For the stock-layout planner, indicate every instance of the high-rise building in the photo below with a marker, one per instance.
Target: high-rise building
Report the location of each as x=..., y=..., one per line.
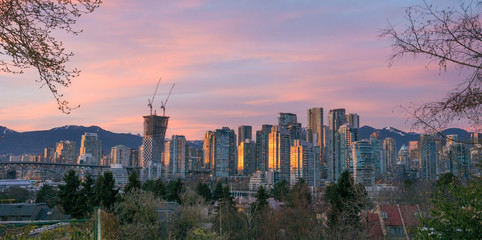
x=134, y=158
x=121, y=154
x=289, y=121
x=403, y=156
x=246, y=157
x=363, y=162
x=315, y=133
x=90, y=149
x=65, y=152
x=428, y=157
x=262, y=145
x=194, y=158
x=336, y=118
x=279, y=153
x=353, y=119
x=390, y=154
x=224, y=152
x=208, y=149
x=244, y=132
x=153, y=145
x=48, y=154
x=345, y=136
x=175, y=157
x=303, y=163
x=377, y=155
x=413, y=155
x=457, y=157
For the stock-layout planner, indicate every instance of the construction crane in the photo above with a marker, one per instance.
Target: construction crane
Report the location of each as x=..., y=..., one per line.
x=163, y=103
x=150, y=101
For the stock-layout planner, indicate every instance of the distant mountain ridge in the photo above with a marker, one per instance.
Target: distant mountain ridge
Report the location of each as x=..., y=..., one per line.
x=34, y=142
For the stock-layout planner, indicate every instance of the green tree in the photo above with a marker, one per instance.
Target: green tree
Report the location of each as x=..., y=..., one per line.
x=280, y=190
x=156, y=187
x=15, y=195
x=105, y=192
x=228, y=221
x=347, y=200
x=174, y=190
x=456, y=211
x=203, y=190
x=137, y=214
x=27, y=38
x=261, y=202
x=88, y=197
x=47, y=194
x=69, y=195
x=218, y=191
x=134, y=182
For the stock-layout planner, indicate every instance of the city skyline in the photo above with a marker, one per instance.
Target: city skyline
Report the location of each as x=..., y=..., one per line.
x=234, y=63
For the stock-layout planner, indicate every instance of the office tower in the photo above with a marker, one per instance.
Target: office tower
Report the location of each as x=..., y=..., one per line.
x=363, y=162
x=379, y=162
x=65, y=152
x=279, y=153
x=390, y=154
x=303, y=163
x=224, y=152
x=262, y=144
x=315, y=126
x=413, y=155
x=153, y=145
x=244, y=132
x=208, y=149
x=457, y=156
x=134, y=159
x=246, y=157
x=428, y=157
x=353, y=119
x=175, y=157
x=289, y=121
x=403, y=156
x=48, y=154
x=345, y=136
x=336, y=118
x=90, y=149
x=194, y=158
x=121, y=154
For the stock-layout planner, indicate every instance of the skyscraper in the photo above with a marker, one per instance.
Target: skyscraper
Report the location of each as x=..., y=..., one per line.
x=303, y=163
x=428, y=157
x=336, y=118
x=153, y=145
x=315, y=126
x=279, y=153
x=244, y=132
x=175, y=157
x=345, y=136
x=121, y=154
x=208, y=149
x=246, y=157
x=289, y=121
x=90, y=144
x=262, y=144
x=65, y=152
x=378, y=156
x=390, y=153
x=353, y=119
x=224, y=152
x=363, y=162
x=458, y=157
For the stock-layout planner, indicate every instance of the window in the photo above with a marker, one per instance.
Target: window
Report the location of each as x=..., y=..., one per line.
x=396, y=231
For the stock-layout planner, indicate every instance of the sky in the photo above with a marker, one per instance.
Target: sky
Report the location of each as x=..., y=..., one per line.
x=233, y=62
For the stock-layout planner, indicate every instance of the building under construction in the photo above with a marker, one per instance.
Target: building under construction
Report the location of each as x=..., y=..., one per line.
x=153, y=144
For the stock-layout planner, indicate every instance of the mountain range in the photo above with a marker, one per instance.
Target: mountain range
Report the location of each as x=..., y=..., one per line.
x=34, y=142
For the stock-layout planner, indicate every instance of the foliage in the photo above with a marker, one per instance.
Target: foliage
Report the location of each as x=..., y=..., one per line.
x=27, y=39
x=218, y=191
x=174, y=190
x=261, y=202
x=451, y=36
x=347, y=200
x=228, y=221
x=137, y=214
x=280, y=191
x=47, y=194
x=200, y=234
x=88, y=195
x=69, y=195
x=456, y=211
x=203, y=190
x=105, y=193
x=15, y=195
x=299, y=194
x=134, y=182
x=156, y=187
x=191, y=217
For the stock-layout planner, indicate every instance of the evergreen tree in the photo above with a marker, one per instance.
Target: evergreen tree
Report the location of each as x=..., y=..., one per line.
x=69, y=195
x=299, y=195
x=157, y=187
x=105, y=193
x=261, y=200
x=174, y=190
x=134, y=182
x=203, y=190
x=87, y=194
x=218, y=191
x=280, y=190
x=47, y=194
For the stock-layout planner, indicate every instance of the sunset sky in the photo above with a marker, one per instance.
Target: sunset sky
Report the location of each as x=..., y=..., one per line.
x=234, y=63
